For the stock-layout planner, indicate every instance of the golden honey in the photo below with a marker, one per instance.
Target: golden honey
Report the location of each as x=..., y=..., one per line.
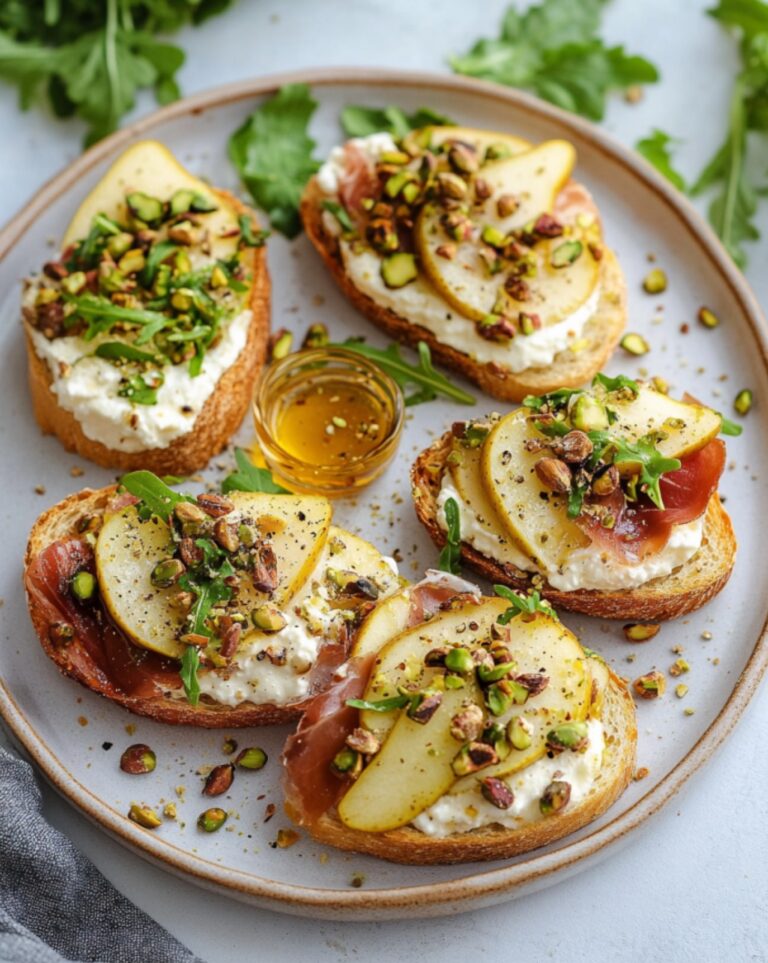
x=327, y=420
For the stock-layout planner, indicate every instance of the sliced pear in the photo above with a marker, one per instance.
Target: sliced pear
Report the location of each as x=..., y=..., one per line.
x=465, y=468
x=128, y=549
x=479, y=139
x=685, y=427
x=542, y=645
x=151, y=168
x=534, y=516
x=410, y=772
x=401, y=660
x=387, y=620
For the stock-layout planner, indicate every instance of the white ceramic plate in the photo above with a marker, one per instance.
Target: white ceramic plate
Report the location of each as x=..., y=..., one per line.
x=76, y=738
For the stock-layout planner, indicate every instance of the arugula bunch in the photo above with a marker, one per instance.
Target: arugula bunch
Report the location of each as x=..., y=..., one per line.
x=358, y=121
x=522, y=604
x=92, y=58
x=734, y=206
x=553, y=50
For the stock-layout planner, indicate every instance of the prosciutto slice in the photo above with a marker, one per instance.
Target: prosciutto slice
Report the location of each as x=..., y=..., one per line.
x=640, y=528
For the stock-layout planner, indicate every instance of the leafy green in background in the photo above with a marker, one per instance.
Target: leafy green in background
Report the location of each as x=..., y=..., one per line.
x=553, y=50
x=90, y=57
x=360, y=121
x=656, y=150
x=734, y=205
x=272, y=152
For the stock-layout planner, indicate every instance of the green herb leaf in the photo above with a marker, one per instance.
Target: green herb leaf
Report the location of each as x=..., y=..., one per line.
x=380, y=705
x=450, y=556
x=360, y=121
x=655, y=149
x=104, y=314
x=153, y=493
x=430, y=381
x=552, y=400
x=190, y=663
x=729, y=428
x=249, y=478
x=617, y=383
x=273, y=155
x=520, y=604
x=652, y=464
x=251, y=237
x=119, y=351
x=553, y=49
x=93, y=58
x=340, y=214
x=576, y=500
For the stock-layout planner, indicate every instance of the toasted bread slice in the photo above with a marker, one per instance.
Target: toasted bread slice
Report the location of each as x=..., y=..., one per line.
x=219, y=418
x=682, y=591
x=569, y=368
x=408, y=845
x=75, y=660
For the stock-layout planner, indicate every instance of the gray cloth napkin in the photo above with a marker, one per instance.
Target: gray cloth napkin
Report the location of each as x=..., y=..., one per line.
x=54, y=904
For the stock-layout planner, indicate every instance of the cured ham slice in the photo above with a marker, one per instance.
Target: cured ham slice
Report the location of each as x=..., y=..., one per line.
x=640, y=528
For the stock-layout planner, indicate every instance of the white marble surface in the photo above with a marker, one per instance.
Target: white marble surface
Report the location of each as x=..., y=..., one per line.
x=693, y=886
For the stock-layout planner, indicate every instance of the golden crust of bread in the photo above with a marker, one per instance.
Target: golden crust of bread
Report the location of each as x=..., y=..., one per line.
x=408, y=845
x=683, y=591
x=60, y=522
x=219, y=418
x=601, y=333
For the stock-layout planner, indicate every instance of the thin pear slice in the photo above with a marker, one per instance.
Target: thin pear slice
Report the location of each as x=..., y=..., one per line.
x=401, y=661
x=533, y=515
x=410, y=772
x=346, y=552
x=128, y=549
x=151, y=168
x=465, y=468
x=479, y=139
x=685, y=427
x=387, y=620
x=542, y=645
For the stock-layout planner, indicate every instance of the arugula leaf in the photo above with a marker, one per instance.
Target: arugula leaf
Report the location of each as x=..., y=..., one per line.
x=729, y=428
x=92, y=58
x=553, y=49
x=520, y=604
x=340, y=213
x=554, y=399
x=360, y=121
x=102, y=311
x=208, y=595
x=252, y=238
x=190, y=663
x=273, y=155
x=617, y=383
x=140, y=390
x=431, y=382
x=249, y=478
x=380, y=705
x=652, y=464
x=154, y=494
x=576, y=498
x=655, y=149
x=450, y=556
x=119, y=351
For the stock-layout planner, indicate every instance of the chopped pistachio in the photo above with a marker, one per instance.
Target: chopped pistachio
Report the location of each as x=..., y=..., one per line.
x=679, y=667
x=253, y=758
x=638, y=632
x=144, y=816
x=680, y=690
x=743, y=401
x=708, y=318
x=212, y=819
x=83, y=585
x=655, y=281
x=635, y=344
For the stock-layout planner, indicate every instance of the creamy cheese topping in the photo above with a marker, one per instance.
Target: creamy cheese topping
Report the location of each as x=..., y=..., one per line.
x=87, y=387
x=468, y=810
x=420, y=303
x=586, y=568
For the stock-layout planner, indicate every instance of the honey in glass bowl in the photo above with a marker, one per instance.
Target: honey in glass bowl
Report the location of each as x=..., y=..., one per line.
x=327, y=420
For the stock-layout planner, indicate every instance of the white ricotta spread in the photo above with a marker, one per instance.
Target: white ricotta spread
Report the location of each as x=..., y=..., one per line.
x=468, y=810
x=87, y=387
x=420, y=303
x=586, y=568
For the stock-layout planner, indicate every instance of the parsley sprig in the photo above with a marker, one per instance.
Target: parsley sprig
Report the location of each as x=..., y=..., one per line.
x=523, y=604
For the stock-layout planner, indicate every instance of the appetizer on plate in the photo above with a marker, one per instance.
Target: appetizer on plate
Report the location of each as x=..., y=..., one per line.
x=224, y=610
x=604, y=498
x=479, y=244
x=464, y=728
x=144, y=336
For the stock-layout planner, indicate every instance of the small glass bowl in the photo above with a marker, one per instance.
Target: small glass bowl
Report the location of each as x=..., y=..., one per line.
x=278, y=388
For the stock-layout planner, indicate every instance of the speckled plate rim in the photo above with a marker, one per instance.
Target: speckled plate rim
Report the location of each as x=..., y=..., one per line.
x=482, y=887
